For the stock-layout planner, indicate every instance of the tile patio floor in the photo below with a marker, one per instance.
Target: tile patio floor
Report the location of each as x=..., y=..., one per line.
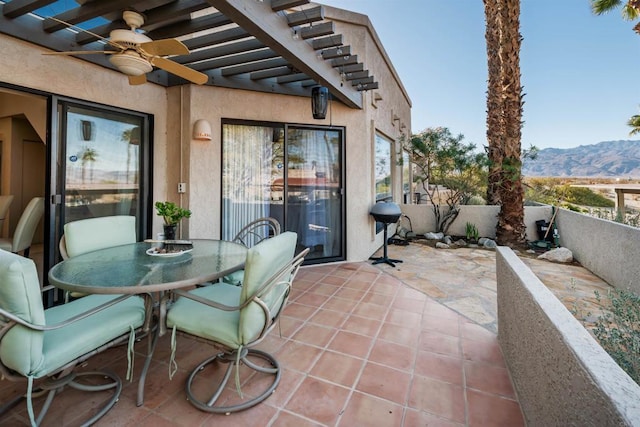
x=359, y=347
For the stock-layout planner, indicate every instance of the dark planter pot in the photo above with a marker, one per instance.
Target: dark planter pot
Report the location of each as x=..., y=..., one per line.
x=170, y=232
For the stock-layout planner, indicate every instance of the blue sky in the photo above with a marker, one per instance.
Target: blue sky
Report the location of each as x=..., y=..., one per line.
x=579, y=71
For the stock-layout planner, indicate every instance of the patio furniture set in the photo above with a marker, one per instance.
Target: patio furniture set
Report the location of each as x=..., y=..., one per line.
x=122, y=291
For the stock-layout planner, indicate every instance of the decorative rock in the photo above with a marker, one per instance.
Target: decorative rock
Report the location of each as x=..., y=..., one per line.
x=441, y=245
x=562, y=255
x=482, y=240
x=489, y=244
x=448, y=240
x=460, y=242
x=434, y=236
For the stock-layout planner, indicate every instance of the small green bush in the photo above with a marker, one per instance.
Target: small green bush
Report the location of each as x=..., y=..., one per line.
x=471, y=231
x=618, y=330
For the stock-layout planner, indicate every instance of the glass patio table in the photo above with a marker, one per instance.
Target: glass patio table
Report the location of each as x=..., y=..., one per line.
x=131, y=269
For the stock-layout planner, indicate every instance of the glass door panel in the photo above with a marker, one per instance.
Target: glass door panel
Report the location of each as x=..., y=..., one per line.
x=314, y=190
x=102, y=163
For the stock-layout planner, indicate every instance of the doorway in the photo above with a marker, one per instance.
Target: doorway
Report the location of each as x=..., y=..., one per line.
x=292, y=173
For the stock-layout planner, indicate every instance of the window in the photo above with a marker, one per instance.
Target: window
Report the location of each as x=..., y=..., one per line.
x=406, y=177
x=382, y=168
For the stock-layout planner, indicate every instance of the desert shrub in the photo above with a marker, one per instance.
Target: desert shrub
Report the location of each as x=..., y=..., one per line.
x=476, y=200
x=550, y=192
x=618, y=330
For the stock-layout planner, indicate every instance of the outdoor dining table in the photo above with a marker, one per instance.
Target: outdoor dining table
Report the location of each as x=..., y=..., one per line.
x=136, y=268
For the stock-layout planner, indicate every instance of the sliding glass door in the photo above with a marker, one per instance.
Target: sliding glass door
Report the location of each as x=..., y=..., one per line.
x=102, y=165
x=291, y=173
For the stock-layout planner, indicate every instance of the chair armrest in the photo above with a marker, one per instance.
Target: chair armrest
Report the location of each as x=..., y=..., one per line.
x=207, y=301
x=68, y=321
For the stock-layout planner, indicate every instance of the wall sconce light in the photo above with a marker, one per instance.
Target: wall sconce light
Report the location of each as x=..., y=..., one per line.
x=319, y=102
x=202, y=130
x=87, y=130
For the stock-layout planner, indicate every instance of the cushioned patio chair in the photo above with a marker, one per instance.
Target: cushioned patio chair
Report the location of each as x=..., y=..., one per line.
x=92, y=234
x=250, y=235
x=26, y=228
x=49, y=344
x=234, y=319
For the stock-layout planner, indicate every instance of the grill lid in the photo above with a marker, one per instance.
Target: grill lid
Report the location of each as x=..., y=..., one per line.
x=386, y=212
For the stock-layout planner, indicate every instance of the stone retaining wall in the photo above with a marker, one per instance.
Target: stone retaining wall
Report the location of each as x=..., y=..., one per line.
x=561, y=374
x=484, y=218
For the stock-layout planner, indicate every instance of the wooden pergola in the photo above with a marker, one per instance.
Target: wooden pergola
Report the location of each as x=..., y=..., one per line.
x=275, y=46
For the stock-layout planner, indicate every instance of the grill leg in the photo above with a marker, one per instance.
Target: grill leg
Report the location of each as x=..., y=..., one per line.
x=384, y=258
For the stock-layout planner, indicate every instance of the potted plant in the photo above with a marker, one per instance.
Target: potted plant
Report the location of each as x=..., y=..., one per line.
x=171, y=214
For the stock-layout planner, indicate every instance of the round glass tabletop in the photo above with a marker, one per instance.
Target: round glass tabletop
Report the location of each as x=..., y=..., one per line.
x=133, y=268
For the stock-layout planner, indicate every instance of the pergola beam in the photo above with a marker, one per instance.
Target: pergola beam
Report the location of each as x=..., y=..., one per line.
x=273, y=30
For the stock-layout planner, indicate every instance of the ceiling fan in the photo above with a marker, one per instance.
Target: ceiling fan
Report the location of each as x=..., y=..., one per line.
x=136, y=54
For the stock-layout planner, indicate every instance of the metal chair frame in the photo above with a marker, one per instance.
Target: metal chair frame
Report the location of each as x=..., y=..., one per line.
x=65, y=375
x=234, y=358
x=254, y=232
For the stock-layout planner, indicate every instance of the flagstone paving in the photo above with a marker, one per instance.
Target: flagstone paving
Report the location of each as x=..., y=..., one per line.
x=464, y=279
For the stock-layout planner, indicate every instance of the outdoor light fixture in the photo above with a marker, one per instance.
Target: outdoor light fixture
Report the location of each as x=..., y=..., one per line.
x=319, y=102
x=86, y=128
x=202, y=130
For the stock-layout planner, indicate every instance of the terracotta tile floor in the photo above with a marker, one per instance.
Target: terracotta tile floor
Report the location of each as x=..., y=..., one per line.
x=358, y=347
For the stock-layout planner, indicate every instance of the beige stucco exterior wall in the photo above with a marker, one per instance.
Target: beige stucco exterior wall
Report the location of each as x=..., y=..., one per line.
x=178, y=158
x=24, y=65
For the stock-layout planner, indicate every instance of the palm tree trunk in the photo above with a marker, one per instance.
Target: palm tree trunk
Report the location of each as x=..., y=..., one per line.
x=511, y=229
x=495, y=132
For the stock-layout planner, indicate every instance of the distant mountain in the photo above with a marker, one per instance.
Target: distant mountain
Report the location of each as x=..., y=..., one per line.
x=604, y=159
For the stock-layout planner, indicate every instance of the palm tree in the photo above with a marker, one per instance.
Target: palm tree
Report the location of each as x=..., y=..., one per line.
x=634, y=122
x=630, y=10
x=504, y=126
x=494, y=122
x=131, y=137
x=88, y=155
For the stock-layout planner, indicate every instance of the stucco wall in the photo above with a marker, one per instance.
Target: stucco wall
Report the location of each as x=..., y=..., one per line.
x=484, y=217
x=561, y=374
x=178, y=158
x=606, y=248
x=24, y=65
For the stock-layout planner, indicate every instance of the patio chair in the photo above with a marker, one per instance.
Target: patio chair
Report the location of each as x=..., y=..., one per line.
x=250, y=235
x=234, y=319
x=26, y=228
x=49, y=344
x=5, y=203
x=91, y=234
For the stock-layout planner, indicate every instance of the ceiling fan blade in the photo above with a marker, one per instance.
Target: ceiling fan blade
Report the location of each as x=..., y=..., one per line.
x=164, y=47
x=81, y=52
x=76, y=28
x=137, y=80
x=180, y=70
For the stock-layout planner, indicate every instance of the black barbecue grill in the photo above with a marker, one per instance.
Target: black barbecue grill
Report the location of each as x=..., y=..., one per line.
x=386, y=213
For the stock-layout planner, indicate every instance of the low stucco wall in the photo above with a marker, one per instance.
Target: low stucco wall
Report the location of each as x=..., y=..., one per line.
x=561, y=374
x=606, y=248
x=485, y=219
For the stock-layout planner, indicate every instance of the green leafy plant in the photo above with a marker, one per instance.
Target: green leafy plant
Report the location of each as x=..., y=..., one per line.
x=471, y=231
x=618, y=330
x=171, y=213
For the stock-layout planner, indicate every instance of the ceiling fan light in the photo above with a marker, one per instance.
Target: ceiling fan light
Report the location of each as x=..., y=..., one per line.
x=130, y=64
